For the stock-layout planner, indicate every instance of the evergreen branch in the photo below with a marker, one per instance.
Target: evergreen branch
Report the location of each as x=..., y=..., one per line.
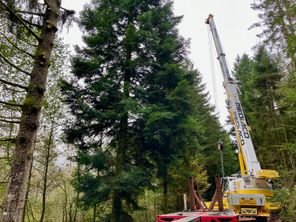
x=69, y=12
x=65, y=9
x=14, y=90
x=5, y=117
x=15, y=46
x=47, y=4
x=13, y=84
x=30, y=13
x=10, y=104
x=28, y=43
x=9, y=121
x=33, y=24
x=20, y=19
x=13, y=140
x=14, y=66
x=4, y=158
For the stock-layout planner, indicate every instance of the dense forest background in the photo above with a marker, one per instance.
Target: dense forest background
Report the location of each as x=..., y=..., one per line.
x=113, y=131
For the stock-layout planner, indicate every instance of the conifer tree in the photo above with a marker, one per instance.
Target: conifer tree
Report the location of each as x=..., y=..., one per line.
x=267, y=96
x=278, y=20
x=137, y=102
x=259, y=79
x=108, y=99
x=135, y=98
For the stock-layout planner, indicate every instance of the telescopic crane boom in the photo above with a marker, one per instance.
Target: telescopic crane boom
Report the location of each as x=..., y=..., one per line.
x=248, y=160
x=247, y=193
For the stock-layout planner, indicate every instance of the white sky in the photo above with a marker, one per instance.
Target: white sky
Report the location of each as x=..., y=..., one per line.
x=232, y=18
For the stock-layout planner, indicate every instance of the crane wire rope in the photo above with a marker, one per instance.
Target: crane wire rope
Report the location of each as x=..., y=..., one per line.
x=214, y=84
x=213, y=74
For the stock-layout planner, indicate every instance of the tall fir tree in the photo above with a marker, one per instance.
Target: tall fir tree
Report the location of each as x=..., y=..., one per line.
x=125, y=41
x=136, y=102
x=279, y=30
x=267, y=95
x=258, y=79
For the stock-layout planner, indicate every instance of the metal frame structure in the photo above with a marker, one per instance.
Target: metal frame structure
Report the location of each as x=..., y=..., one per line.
x=199, y=212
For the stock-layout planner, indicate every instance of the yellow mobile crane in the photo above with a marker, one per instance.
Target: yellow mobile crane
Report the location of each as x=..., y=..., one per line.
x=247, y=193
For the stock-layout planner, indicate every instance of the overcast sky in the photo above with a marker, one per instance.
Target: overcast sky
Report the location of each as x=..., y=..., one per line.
x=232, y=18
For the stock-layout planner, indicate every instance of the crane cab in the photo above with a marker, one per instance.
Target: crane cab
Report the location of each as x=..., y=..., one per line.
x=248, y=185
x=249, y=196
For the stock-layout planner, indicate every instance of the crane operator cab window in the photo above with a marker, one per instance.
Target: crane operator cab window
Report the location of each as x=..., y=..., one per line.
x=252, y=182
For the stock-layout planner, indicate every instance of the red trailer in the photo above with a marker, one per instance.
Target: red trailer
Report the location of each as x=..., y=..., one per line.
x=199, y=212
x=199, y=216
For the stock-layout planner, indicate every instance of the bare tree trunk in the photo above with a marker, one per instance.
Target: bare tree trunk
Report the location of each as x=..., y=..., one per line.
x=19, y=176
x=46, y=164
x=95, y=213
x=8, y=147
x=165, y=192
x=77, y=197
x=30, y=174
x=116, y=207
x=65, y=212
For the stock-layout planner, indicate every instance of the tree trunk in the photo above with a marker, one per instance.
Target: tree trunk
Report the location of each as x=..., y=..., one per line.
x=165, y=193
x=116, y=207
x=46, y=164
x=287, y=30
x=122, y=139
x=95, y=213
x=77, y=195
x=29, y=182
x=65, y=211
x=164, y=178
x=19, y=176
x=120, y=157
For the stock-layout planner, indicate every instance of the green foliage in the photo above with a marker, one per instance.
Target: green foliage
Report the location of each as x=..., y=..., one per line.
x=183, y=168
x=141, y=115
x=267, y=96
x=278, y=21
x=258, y=79
x=288, y=203
x=111, y=101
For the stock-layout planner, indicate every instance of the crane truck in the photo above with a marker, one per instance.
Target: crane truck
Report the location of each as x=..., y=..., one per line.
x=247, y=193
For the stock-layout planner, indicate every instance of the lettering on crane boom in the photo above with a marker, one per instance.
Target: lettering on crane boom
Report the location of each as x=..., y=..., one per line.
x=240, y=123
